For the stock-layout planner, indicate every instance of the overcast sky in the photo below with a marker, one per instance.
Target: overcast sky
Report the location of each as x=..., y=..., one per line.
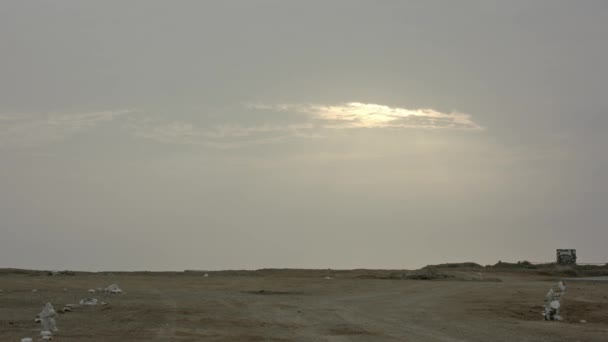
x=171, y=135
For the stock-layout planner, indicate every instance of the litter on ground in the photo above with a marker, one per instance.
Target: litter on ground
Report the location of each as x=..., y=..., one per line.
x=552, y=302
x=89, y=301
x=113, y=289
x=47, y=318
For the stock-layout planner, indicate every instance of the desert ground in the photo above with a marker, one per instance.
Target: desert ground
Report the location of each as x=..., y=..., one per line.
x=457, y=302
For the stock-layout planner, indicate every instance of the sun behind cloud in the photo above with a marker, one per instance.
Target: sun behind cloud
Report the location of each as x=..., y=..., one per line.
x=370, y=115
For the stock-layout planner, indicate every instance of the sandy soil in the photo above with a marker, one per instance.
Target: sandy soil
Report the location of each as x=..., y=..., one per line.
x=302, y=306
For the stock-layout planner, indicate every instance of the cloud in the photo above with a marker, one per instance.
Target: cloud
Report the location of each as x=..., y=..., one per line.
x=317, y=121
x=220, y=136
x=30, y=130
x=296, y=121
x=368, y=115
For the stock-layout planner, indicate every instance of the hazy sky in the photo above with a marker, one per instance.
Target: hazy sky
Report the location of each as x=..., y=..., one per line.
x=160, y=135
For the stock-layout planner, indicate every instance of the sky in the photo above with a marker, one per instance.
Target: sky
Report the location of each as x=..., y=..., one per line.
x=172, y=135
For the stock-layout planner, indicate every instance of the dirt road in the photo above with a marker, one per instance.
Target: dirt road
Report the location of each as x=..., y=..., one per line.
x=190, y=307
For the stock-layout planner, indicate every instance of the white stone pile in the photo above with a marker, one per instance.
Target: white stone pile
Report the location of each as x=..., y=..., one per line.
x=47, y=321
x=552, y=302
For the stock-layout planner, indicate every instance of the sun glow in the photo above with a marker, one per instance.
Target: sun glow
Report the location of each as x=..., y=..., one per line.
x=369, y=115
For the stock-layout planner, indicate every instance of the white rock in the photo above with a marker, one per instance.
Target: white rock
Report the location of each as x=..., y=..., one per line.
x=113, y=289
x=555, y=304
x=583, y=321
x=92, y=291
x=27, y=339
x=205, y=275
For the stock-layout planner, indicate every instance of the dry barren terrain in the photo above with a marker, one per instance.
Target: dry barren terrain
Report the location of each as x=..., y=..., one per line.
x=447, y=304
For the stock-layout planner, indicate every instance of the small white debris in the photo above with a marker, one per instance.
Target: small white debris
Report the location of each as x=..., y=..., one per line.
x=104, y=303
x=583, y=321
x=27, y=339
x=92, y=291
x=328, y=278
x=71, y=305
x=206, y=275
x=113, y=289
x=37, y=320
x=46, y=335
x=89, y=301
x=562, y=286
x=67, y=309
x=35, y=290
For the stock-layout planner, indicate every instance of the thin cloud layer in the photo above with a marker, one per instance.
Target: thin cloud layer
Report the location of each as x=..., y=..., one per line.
x=29, y=130
x=317, y=121
x=297, y=121
x=369, y=115
x=220, y=136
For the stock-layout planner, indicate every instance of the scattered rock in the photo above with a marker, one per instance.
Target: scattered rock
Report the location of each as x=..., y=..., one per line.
x=89, y=301
x=115, y=289
x=46, y=335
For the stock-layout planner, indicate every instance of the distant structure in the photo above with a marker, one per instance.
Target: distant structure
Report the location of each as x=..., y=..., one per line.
x=566, y=256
